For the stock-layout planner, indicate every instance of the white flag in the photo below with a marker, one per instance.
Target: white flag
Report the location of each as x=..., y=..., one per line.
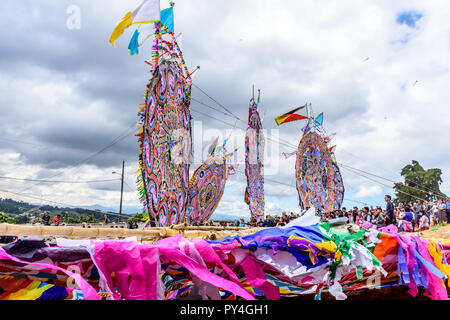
x=148, y=11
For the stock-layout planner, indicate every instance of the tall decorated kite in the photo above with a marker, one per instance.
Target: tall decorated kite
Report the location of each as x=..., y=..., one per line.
x=254, y=160
x=207, y=184
x=165, y=120
x=318, y=179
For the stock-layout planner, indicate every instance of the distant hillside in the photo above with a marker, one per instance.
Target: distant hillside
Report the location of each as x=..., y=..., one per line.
x=26, y=213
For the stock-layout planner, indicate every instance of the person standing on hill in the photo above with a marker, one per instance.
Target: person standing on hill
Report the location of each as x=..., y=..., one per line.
x=390, y=218
x=447, y=206
x=442, y=211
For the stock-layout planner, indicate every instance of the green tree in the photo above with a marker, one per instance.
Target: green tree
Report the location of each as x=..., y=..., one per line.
x=419, y=184
x=4, y=218
x=22, y=220
x=138, y=217
x=65, y=217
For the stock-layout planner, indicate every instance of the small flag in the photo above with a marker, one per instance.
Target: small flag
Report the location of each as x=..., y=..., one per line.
x=167, y=18
x=147, y=12
x=332, y=148
x=133, y=46
x=319, y=120
x=296, y=114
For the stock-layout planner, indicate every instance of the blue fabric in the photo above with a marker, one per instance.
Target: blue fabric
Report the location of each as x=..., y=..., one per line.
x=276, y=239
x=408, y=216
x=319, y=120
x=167, y=18
x=54, y=293
x=133, y=46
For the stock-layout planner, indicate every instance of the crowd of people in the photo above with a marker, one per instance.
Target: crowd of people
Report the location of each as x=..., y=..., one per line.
x=414, y=216
x=418, y=215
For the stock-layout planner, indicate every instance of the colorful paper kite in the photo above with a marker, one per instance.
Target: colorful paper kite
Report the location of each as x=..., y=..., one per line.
x=254, y=161
x=207, y=185
x=319, y=182
x=165, y=136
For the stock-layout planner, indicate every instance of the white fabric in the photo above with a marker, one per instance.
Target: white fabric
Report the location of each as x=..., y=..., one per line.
x=308, y=219
x=62, y=242
x=149, y=10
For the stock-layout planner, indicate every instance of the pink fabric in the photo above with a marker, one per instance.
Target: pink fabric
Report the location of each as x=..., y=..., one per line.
x=122, y=258
x=88, y=291
x=174, y=255
x=408, y=246
x=436, y=289
x=389, y=229
x=128, y=260
x=367, y=224
x=210, y=256
x=407, y=226
x=256, y=277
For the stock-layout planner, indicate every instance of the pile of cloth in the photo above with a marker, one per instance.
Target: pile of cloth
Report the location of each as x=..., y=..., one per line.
x=274, y=263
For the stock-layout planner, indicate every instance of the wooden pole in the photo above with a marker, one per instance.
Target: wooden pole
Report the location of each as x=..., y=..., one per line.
x=121, y=193
x=150, y=233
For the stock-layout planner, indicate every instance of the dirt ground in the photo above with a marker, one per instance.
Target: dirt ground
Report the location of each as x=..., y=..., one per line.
x=442, y=234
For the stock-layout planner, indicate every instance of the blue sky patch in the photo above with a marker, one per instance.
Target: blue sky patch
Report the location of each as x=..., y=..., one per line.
x=409, y=18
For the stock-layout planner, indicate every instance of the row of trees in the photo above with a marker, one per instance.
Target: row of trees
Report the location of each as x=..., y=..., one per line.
x=65, y=218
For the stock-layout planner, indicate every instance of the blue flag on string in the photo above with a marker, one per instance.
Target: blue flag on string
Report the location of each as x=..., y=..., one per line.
x=319, y=120
x=133, y=46
x=167, y=18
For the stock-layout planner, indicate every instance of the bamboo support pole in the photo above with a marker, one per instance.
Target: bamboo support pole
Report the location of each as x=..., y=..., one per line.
x=187, y=232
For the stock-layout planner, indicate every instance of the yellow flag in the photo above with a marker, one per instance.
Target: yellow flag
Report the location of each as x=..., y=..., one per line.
x=147, y=12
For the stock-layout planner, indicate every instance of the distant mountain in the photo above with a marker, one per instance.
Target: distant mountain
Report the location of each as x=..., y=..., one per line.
x=125, y=209
x=227, y=217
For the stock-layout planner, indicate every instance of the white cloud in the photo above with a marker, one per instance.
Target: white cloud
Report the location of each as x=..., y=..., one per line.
x=368, y=191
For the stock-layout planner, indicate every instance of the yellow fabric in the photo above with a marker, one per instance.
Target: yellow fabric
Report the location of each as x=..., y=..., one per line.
x=32, y=292
x=282, y=118
x=328, y=246
x=437, y=255
x=121, y=26
x=125, y=23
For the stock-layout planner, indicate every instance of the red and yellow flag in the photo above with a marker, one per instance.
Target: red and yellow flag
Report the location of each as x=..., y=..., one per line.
x=296, y=114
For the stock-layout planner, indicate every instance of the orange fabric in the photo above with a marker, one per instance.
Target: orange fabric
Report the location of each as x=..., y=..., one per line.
x=388, y=245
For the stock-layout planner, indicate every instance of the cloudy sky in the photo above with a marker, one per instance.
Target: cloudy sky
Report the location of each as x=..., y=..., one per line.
x=378, y=70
